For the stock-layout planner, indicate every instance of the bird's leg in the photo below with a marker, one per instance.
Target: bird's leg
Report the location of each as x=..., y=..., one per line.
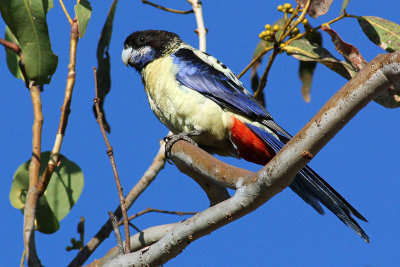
x=172, y=139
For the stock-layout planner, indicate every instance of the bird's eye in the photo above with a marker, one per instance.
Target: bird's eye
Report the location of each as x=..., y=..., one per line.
x=142, y=40
x=126, y=46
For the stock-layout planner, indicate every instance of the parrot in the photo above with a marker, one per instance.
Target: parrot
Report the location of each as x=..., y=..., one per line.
x=195, y=94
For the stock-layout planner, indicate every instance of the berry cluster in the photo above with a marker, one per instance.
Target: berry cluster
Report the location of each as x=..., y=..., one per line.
x=269, y=34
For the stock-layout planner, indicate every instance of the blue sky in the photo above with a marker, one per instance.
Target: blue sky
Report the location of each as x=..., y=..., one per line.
x=361, y=162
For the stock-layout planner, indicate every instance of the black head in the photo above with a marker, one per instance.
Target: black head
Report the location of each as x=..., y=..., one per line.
x=142, y=47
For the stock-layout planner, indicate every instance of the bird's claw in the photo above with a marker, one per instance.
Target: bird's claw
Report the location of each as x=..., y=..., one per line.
x=172, y=139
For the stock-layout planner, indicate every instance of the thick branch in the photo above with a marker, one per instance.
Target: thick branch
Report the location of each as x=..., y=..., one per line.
x=377, y=76
x=138, y=241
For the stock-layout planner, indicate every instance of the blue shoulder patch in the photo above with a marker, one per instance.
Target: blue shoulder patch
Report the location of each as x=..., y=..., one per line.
x=196, y=74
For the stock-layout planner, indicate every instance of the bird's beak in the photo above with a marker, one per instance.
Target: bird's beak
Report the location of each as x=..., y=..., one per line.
x=126, y=55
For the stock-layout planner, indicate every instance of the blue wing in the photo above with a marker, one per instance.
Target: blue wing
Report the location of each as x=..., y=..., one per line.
x=224, y=88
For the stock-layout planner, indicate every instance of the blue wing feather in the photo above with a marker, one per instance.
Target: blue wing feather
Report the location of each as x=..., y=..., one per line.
x=204, y=78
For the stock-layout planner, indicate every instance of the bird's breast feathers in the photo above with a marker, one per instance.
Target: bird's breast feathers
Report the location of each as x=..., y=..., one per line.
x=182, y=109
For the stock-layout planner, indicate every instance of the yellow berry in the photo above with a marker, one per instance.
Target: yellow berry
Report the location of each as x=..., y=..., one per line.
x=268, y=33
x=291, y=10
x=282, y=45
x=280, y=8
x=268, y=27
x=260, y=35
x=275, y=28
x=305, y=21
x=295, y=31
x=287, y=6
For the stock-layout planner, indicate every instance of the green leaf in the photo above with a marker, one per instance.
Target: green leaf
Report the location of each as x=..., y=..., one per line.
x=46, y=222
x=27, y=21
x=60, y=196
x=306, y=71
x=344, y=6
x=83, y=11
x=307, y=68
x=303, y=50
x=65, y=186
x=11, y=57
x=381, y=32
x=103, y=61
x=50, y=5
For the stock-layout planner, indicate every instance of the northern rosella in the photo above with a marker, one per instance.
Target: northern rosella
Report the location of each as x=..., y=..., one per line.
x=192, y=92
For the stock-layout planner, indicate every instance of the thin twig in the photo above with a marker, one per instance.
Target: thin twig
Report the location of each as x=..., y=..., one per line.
x=297, y=22
x=65, y=110
x=148, y=210
x=117, y=232
x=110, y=153
x=148, y=177
x=66, y=12
x=167, y=9
x=257, y=58
x=11, y=45
x=22, y=259
x=264, y=78
x=201, y=29
x=34, y=167
x=134, y=227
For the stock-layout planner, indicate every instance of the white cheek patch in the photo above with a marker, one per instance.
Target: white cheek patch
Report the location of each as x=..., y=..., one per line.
x=126, y=55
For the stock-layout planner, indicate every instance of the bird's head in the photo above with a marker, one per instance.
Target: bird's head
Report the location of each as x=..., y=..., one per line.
x=142, y=47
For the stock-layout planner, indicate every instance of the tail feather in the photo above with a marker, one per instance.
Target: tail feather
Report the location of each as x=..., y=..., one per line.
x=315, y=187
x=315, y=190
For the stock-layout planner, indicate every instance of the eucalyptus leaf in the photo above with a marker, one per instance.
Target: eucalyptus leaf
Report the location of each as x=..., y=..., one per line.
x=27, y=21
x=304, y=50
x=344, y=6
x=83, y=12
x=382, y=32
x=62, y=192
x=103, y=61
x=12, y=58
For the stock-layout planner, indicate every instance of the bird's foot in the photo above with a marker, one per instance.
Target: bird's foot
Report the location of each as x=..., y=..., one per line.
x=172, y=139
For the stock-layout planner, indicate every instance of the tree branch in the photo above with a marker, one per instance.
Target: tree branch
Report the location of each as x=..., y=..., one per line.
x=166, y=8
x=138, y=241
x=201, y=29
x=34, y=167
x=110, y=153
x=148, y=177
x=65, y=110
x=377, y=76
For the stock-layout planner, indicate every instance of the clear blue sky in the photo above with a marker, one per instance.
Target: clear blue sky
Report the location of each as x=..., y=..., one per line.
x=361, y=162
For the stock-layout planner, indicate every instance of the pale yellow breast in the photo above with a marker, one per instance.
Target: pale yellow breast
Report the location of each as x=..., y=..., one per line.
x=182, y=109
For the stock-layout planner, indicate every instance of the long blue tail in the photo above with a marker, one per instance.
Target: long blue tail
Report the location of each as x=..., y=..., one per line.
x=315, y=190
